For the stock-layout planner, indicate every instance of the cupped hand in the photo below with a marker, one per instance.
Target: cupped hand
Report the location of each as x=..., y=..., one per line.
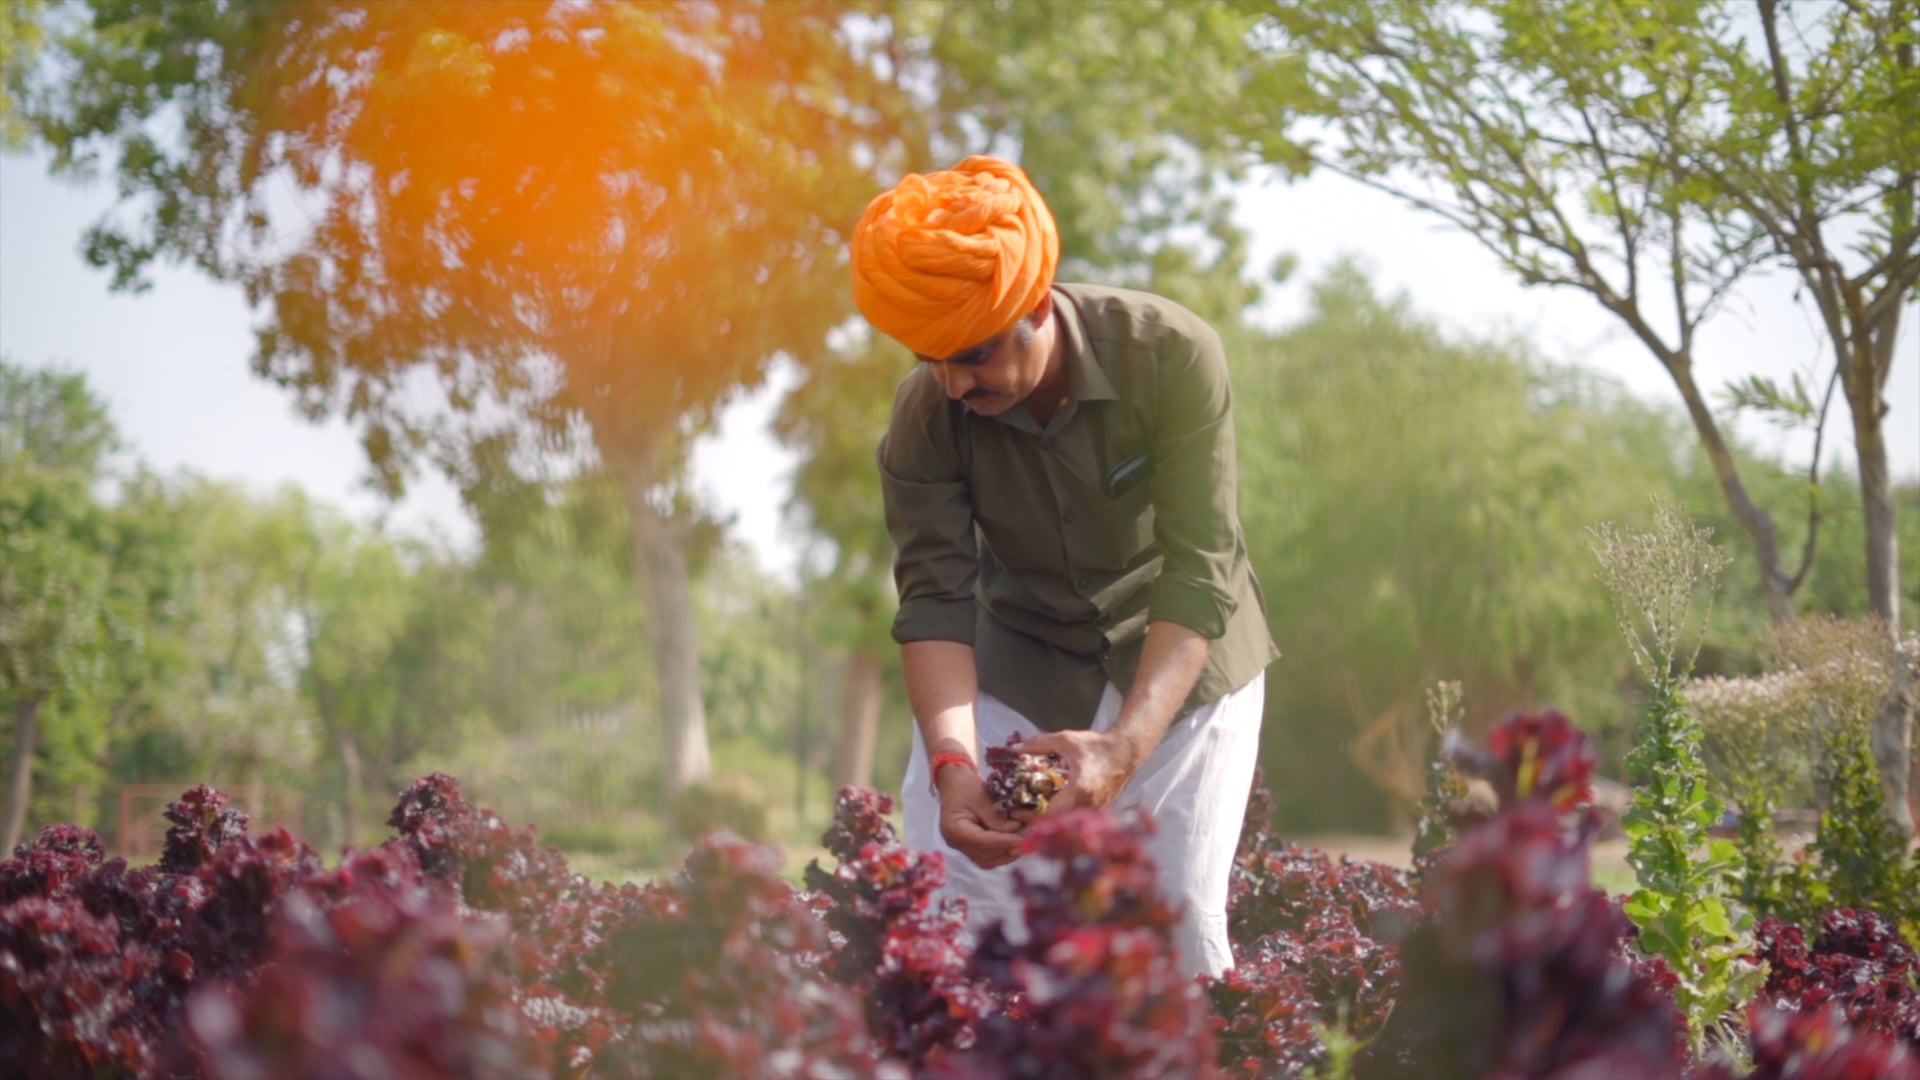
x=1099, y=764
x=972, y=824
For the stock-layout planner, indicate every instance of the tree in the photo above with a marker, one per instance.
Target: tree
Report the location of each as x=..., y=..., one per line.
x=1389, y=564
x=55, y=541
x=350, y=595
x=21, y=37
x=150, y=604
x=835, y=417
x=580, y=220
x=1653, y=156
x=1083, y=95
x=556, y=578
x=52, y=422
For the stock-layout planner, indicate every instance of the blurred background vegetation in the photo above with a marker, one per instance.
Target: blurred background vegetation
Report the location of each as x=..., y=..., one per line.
x=586, y=228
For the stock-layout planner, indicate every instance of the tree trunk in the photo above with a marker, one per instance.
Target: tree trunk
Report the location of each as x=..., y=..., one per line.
x=20, y=773
x=1754, y=521
x=666, y=588
x=1893, y=727
x=333, y=724
x=859, y=720
x=350, y=778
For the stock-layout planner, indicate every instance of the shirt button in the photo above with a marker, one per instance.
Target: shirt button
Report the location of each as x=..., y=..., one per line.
x=1081, y=584
x=1106, y=656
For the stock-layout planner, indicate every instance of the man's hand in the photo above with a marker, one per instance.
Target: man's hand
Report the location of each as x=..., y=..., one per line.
x=1099, y=764
x=971, y=824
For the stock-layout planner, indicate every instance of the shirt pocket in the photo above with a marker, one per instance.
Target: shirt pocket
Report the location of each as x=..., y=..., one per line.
x=1119, y=532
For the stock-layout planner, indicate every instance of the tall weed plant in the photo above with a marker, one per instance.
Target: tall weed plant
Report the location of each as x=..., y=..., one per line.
x=1662, y=582
x=1817, y=704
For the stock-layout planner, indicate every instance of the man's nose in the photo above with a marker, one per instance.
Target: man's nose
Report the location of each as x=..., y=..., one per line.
x=956, y=380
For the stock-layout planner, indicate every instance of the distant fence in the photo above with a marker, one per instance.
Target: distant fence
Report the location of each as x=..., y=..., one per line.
x=141, y=829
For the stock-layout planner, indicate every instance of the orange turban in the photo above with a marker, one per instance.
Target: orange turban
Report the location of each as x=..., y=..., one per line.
x=948, y=259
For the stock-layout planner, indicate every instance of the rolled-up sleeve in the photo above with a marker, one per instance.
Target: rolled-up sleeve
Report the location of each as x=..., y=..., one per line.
x=929, y=514
x=1195, y=502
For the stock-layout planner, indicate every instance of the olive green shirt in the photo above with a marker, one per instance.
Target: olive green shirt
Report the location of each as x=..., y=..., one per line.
x=1030, y=544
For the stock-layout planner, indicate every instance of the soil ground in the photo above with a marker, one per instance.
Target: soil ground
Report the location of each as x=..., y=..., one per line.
x=1610, y=869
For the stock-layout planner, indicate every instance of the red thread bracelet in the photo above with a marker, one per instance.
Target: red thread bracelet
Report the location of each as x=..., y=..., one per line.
x=947, y=757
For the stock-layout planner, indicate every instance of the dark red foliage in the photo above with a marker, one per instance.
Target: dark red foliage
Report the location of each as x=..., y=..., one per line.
x=71, y=991
x=1516, y=970
x=60, y=856
x=1017, y=780
x=1541, y=756
x=431, y=816
x=1308, y=947
x=720, y=974
x=245, y=882
x=889, y=940
x=1313, y=940
x=1265, y=1018
x=96, y=960
x=1095, y=981
x=463, y=947
x=1283, y=887
x=859, y=819
x=1818, y=1045
x=202, y=822
x=375, y=972
x=1859, y=963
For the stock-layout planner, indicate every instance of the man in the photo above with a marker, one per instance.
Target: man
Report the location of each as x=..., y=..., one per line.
x=1059, y=481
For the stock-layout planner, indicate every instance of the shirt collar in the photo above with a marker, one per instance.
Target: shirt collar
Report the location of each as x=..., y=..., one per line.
x=1086, y=379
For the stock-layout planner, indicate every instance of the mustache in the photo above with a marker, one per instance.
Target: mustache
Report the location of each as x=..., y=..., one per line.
x=976, y=394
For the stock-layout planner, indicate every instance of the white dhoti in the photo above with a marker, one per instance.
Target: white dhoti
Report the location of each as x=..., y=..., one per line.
x=1194, y=785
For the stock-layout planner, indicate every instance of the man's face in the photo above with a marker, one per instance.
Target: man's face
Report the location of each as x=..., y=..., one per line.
x=996, y=374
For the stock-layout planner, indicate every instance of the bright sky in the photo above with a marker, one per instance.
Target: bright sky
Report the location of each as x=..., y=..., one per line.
x=172, y=363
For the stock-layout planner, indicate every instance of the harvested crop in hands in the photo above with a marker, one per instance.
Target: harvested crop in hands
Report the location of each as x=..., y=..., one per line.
x=1021, y=781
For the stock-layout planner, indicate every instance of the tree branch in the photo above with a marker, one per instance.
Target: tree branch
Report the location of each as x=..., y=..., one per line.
x=1897, y=250
x=1628, y=238
x=1827, y=274
x=1677, y=267
x=1813, y=487
x=1796, y=151
x=1898, y=285
x=1500, y=139
x=1477, y=228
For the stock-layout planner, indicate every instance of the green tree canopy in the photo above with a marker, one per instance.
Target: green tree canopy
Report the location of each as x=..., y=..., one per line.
x=56, y=545
x=1453, y=549
x=576, y=220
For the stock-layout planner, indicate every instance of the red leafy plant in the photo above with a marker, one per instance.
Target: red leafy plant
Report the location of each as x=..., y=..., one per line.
x=1314, y=946
x=1093, y=986
x=1017, y=780
x=902, y=951
x=1517, y=967
x=373, y=971
x=462, y=947
x=1541, y=756
x=719, y=972
x=1817, y=1044
x=1859, y=964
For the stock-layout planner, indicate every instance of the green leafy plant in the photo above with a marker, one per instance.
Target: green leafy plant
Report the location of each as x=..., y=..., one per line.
x=1684, y=904
x=1812, y=714
x=1444, y=801
x=1760, y=747
x=1859, y=853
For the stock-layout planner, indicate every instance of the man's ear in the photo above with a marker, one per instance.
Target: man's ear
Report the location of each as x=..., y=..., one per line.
x=1038, y=316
